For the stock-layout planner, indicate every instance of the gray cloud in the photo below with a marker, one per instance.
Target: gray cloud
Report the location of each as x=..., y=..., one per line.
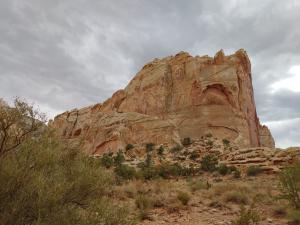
x=63, y=54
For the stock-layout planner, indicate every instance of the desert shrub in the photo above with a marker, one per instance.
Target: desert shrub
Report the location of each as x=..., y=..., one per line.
x=294, y=217
x=149, y=147
x=125, y=172
x=210, y=143
x=198, y=185
x=289, y=183
x=144, y=204
x=236, y=197
x=44, y=182
x=209, y=135
x=209, y=163
x=236, y=174
x=119, y=158
x=107, y=160
x=254, y=170
x=149, y=173
x=129, y=147
x=223, y=169
x=160, y=150
x=173, y=170
x=232, y=169
x=18, y=124
x=186, y=141
x=226, y=143
x=247, y=217
x=194, y=155
x=176, y=149
x=183, y=197
x=148, y=160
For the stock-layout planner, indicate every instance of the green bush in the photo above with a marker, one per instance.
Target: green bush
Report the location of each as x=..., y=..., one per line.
x=129, y=147
x=149, y=173
x=290, y=185
x=254, y=170
x=160, y=150
x=183, y=197
x=247, y=217
x=125, y=172
x=223, y=169
x=176, y=149
x=226, y=143
x=186, y=141
x=209, y=163
x=194, y=155
x=149, y=147
x=107, y=161
x=236, y=174
x=119, y=158
x=148, y=160
x=209, y=135
x=45, y=182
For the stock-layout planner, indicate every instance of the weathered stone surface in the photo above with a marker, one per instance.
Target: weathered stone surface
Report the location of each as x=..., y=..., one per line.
x=170, y=99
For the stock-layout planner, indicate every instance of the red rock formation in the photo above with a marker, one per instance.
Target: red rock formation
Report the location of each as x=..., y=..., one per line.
x=172, y=98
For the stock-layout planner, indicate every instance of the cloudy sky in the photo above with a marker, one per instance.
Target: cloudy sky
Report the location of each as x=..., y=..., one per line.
x=62, y=54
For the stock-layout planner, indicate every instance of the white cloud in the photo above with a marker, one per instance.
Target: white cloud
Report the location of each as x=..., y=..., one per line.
x=292, y=83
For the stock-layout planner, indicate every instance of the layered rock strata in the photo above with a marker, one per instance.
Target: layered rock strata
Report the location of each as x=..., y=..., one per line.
x=170, y=99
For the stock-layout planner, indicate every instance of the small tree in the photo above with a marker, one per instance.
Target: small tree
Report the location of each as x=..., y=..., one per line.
x=186, y=141
x=129, y=147
x=17, y=124
x=119, y=158
x=160, y=150
x=290, y=185
x=209, y=163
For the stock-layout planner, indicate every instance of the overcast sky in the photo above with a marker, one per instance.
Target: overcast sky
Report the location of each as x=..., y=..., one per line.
x=62, y=54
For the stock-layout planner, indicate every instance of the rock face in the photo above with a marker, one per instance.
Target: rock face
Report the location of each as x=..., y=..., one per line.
x=170, y=99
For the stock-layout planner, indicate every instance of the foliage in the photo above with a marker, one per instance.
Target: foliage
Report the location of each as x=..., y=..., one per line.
x=148, y=160
x=194, y=155
x=176, y=149
x=107, y=160
x=294, y=216
x=149, y=147
x=209, y=163
x=223, y=169
x=183, y=197
x=17, y=124
x=198, y=185
x=125, y=172
x=226, y=143
x=254, y=170
x=247, y=217
x=160, y=150
x=44, y=182
x=144, y=204
x=119, y=158
x=236, y=197
x=290, y=185
x=237, y=174
x=186, y=141
x=209, y=135
x=129, y=147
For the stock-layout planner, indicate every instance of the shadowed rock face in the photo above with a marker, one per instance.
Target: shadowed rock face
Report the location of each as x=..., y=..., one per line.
x=170, y=99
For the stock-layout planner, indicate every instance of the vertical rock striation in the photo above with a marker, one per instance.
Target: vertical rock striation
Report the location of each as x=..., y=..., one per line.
x=170, y=99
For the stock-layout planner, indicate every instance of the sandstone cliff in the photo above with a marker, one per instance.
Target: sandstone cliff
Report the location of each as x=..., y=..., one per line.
x=170, y=99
